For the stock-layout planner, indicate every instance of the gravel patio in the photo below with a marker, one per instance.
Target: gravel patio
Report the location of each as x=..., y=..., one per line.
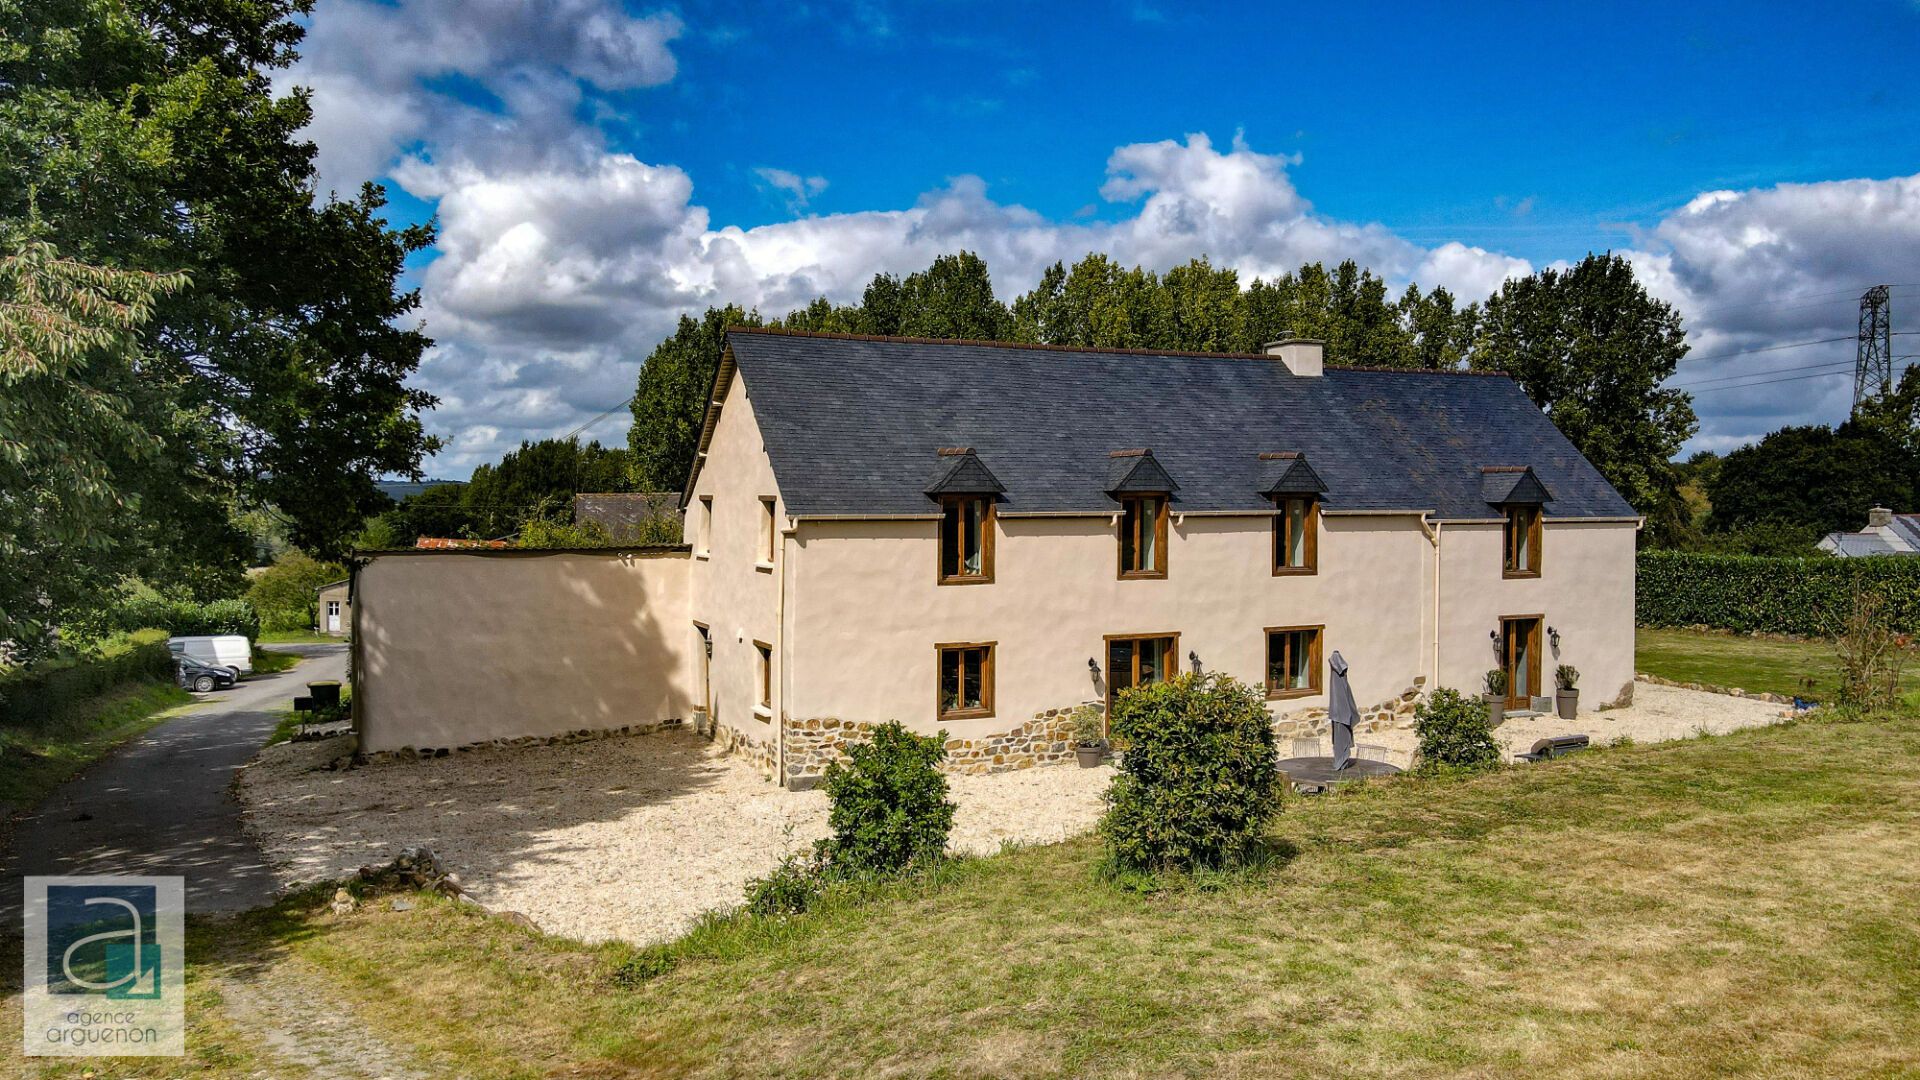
x=633, y=838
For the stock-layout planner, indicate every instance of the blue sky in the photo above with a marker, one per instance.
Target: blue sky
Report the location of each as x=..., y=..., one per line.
x=599, y=169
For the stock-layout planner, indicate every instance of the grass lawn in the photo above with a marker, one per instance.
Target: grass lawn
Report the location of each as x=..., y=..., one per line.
x=1733, y=904
x=35, y=759
x=270, y=661
x=298, y=637
x=1736, y=660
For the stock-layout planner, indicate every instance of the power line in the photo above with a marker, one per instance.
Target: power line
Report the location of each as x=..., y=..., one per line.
x=1791, y=378
x=576, y=431
x=1767, y=348
x=1770, y=371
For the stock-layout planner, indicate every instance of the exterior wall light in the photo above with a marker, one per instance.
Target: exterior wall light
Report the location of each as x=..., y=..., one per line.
x=1554, y=636
x=1193, y=658
x=1093, y=666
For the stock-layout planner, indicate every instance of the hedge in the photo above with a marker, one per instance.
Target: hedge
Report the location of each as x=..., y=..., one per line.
x=1757, y=593
x=178, y=617
x=56, y=690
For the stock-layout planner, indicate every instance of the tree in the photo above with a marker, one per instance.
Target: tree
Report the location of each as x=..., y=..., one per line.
x=1816, y=479
x=953, y=298
x=1592, y=349
x=670, y=405
x=284, y=593
x=83, y=434
x=146, y=135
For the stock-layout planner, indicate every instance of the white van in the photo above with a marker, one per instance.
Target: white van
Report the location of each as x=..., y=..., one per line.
x=226, y=650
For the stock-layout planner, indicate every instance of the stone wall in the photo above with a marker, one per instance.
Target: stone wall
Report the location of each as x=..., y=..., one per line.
x=762, y=754
x=1395, y=712
x=1044, y=740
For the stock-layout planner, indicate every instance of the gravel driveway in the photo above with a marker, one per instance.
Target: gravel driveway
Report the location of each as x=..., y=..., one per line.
x=634, y=837
x=619, y=838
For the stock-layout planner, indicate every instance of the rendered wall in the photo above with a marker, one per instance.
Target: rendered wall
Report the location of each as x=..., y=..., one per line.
x=453, y=648
x=866, y=613
x=1585, y=591
x=734, y=592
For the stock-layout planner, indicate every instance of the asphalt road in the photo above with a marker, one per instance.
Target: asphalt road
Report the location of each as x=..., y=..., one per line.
x=161, y=803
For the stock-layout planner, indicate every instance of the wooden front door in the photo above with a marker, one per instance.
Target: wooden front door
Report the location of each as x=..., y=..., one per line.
x=1522, y=637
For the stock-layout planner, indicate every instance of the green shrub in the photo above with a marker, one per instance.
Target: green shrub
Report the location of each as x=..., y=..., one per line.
x=177, y=617
x=790, y=889
x=1454, y=731
x=55, y=691
x=285, y=593
x=1199, y=781
x=890, y=807
x=1752, y=593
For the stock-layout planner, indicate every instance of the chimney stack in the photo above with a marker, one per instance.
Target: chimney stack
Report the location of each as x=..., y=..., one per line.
x=1303, y=356
x=1879, y=517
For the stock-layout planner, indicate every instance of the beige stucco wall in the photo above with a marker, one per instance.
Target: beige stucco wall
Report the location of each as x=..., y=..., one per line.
x=454, y=648
x=337, y=592
x=1585, y=590
x=734, y=592
x=866, y=612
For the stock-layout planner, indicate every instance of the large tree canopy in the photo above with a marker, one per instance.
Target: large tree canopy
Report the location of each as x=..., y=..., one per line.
x=145, y=135
x=1592, y=349
x=1817, y=478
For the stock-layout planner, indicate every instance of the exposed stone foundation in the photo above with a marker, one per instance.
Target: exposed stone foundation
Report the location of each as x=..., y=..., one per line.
x=1046, y=739
x=412, y=753
x=762, y=754
x=1392, y=713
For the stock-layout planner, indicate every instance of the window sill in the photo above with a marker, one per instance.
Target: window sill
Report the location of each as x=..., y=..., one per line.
x=1144, y=575
x=1288, y=695
x=763, y=714
x=764, y=567
x=1512, y=574
x=703, y=555
x=967, y=714
x=968, y=579
x=1295, y=571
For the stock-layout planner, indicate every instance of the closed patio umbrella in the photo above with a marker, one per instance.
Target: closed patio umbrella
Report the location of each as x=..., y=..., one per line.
x=1342, y=714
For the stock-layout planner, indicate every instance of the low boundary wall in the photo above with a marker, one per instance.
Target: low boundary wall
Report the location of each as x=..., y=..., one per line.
x=452, y=648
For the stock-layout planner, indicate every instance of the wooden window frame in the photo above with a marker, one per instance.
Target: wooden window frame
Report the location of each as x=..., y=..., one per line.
x=706, y=527
x=1310, y=551
x=1315, y=662
x=987, y=665
x=1535, y=525
x=1106, y=654
x=763, y=679
x=1535, y=664
x=769, y=533
x=1127, y=503
x=988, y=525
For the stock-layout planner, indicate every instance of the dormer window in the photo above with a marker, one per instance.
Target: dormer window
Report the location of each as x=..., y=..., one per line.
x=1296, y=528
x=1521, y=498
x=1521, y=541
x=967, y=492
x=1143, y=536
x=966, y=539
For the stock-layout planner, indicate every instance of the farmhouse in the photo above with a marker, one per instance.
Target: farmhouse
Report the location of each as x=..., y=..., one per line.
x=980, y=538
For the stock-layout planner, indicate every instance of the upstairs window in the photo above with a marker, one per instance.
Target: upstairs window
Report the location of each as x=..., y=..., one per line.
x=966, y=680
x=1521, y=542
x=767, y=532
x=1293, y=661
x=1296, y=542
x=966, y=540
x=705, y=525
x=1143, y=536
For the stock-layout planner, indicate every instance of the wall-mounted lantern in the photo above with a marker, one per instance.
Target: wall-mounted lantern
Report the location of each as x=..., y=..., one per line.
x=1554, y=636
x=1193, y=658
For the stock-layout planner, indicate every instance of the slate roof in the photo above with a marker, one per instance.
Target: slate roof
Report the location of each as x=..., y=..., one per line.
x=1506, y=485
x=853, y=427
x=960, y=472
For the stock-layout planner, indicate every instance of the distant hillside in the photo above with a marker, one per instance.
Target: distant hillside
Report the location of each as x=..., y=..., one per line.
x=405, y=489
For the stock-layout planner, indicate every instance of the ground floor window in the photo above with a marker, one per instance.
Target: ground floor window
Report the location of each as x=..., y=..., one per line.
x=1293, y=661
x=966, y=680
x=1139, y=661
x=763, y=657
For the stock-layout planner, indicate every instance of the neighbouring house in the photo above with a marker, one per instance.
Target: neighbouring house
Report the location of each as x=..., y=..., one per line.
x=979, y=539
x=628, y=515
x=333, y=607
x=1887, y=533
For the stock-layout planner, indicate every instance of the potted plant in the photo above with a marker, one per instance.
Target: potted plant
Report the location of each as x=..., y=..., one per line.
x=1089, y=736
x=1496, y=696
x=1566, y=694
